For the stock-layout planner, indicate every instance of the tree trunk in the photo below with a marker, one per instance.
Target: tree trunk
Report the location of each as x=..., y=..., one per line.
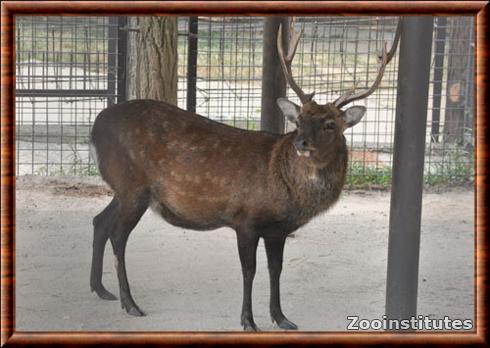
x=456, y=78
x=152, y=61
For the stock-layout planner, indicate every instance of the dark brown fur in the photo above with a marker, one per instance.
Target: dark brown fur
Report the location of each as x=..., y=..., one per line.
x=200, y=174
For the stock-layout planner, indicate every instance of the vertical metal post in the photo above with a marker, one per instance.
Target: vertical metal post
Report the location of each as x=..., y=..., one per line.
x=122, y=56
x=192, y=63
x=469, y=93
x=440, y=45
x=273, y=80
x=112, y=60
x=408, y=167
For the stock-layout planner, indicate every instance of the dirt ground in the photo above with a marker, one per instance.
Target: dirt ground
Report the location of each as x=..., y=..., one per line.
x=334, y=267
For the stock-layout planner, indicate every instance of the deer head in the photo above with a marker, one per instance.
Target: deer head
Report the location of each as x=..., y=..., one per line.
x=319, y=126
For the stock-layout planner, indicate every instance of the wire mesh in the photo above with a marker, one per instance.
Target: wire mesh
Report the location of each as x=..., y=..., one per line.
x=66, y=74
x=64, y=77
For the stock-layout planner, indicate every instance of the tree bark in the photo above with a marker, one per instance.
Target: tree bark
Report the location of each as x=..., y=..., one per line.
x=152, y=61
x=456, y=79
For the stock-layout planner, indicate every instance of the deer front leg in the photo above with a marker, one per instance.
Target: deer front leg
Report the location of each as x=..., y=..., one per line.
x=247, y=247
x=274, y=248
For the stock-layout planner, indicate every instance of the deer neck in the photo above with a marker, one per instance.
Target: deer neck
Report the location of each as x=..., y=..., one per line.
x=307, y=181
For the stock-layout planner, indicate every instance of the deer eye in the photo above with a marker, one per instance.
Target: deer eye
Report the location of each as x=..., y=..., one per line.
x=329, y=125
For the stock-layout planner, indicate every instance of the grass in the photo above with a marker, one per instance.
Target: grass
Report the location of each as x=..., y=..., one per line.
x=455, y=169
x=71, y=170
x=361, y=176
x=76, y=167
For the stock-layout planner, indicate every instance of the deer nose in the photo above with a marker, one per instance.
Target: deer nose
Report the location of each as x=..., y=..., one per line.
x=300, y=144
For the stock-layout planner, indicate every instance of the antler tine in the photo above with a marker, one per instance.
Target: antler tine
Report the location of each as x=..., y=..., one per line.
x=385, y=58
x=287, y=60
x=347, y=94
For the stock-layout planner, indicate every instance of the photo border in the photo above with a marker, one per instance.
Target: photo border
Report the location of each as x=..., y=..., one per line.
x=9, y=9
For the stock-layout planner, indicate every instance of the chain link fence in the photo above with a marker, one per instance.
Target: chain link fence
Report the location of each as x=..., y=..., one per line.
x=68, y=70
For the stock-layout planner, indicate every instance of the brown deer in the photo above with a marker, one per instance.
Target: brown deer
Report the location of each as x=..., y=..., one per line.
x=200, y=174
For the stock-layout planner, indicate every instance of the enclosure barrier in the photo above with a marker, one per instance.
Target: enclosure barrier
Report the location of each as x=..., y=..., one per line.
x=69, y=68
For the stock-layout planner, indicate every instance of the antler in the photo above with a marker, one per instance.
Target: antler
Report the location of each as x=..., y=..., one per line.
x=287, y=60
x=385, y=58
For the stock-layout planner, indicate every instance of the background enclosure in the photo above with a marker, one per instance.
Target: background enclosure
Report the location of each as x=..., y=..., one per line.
x=69, y=68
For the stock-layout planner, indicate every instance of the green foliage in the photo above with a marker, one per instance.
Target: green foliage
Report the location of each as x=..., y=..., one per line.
x=362, y=176
x=76, y=167
x=454, y=168
x=71, y=170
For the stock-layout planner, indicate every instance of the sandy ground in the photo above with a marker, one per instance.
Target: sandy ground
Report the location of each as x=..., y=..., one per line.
x=186, y=280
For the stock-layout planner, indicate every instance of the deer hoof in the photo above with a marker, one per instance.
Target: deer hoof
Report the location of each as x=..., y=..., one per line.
x=285, y=324
x=135, y=311
x=250, y=326
x=104, y=294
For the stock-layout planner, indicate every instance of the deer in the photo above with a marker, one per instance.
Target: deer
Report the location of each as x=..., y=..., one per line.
x=200, y=174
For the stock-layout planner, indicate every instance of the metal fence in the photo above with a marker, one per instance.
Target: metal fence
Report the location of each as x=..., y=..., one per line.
x=69, y=69
x=65, y=74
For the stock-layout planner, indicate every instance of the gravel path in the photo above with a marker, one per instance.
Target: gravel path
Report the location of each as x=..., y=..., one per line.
x=186, y=280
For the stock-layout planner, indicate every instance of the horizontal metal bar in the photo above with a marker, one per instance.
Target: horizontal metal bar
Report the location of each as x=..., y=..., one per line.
x=62, y=93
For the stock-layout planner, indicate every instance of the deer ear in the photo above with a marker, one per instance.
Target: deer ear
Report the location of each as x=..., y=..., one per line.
x=289, y=109
x=353, y=115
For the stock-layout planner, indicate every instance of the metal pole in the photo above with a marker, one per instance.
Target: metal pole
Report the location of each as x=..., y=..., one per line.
x=469, y=94
x=408, y=167
x=122, y=56
x=192, y=63
x=273, y=80
x=438, y=75
x=112, y=60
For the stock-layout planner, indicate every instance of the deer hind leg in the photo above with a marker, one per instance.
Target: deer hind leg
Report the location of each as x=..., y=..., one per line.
x=103, y=224
x=131, y=210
